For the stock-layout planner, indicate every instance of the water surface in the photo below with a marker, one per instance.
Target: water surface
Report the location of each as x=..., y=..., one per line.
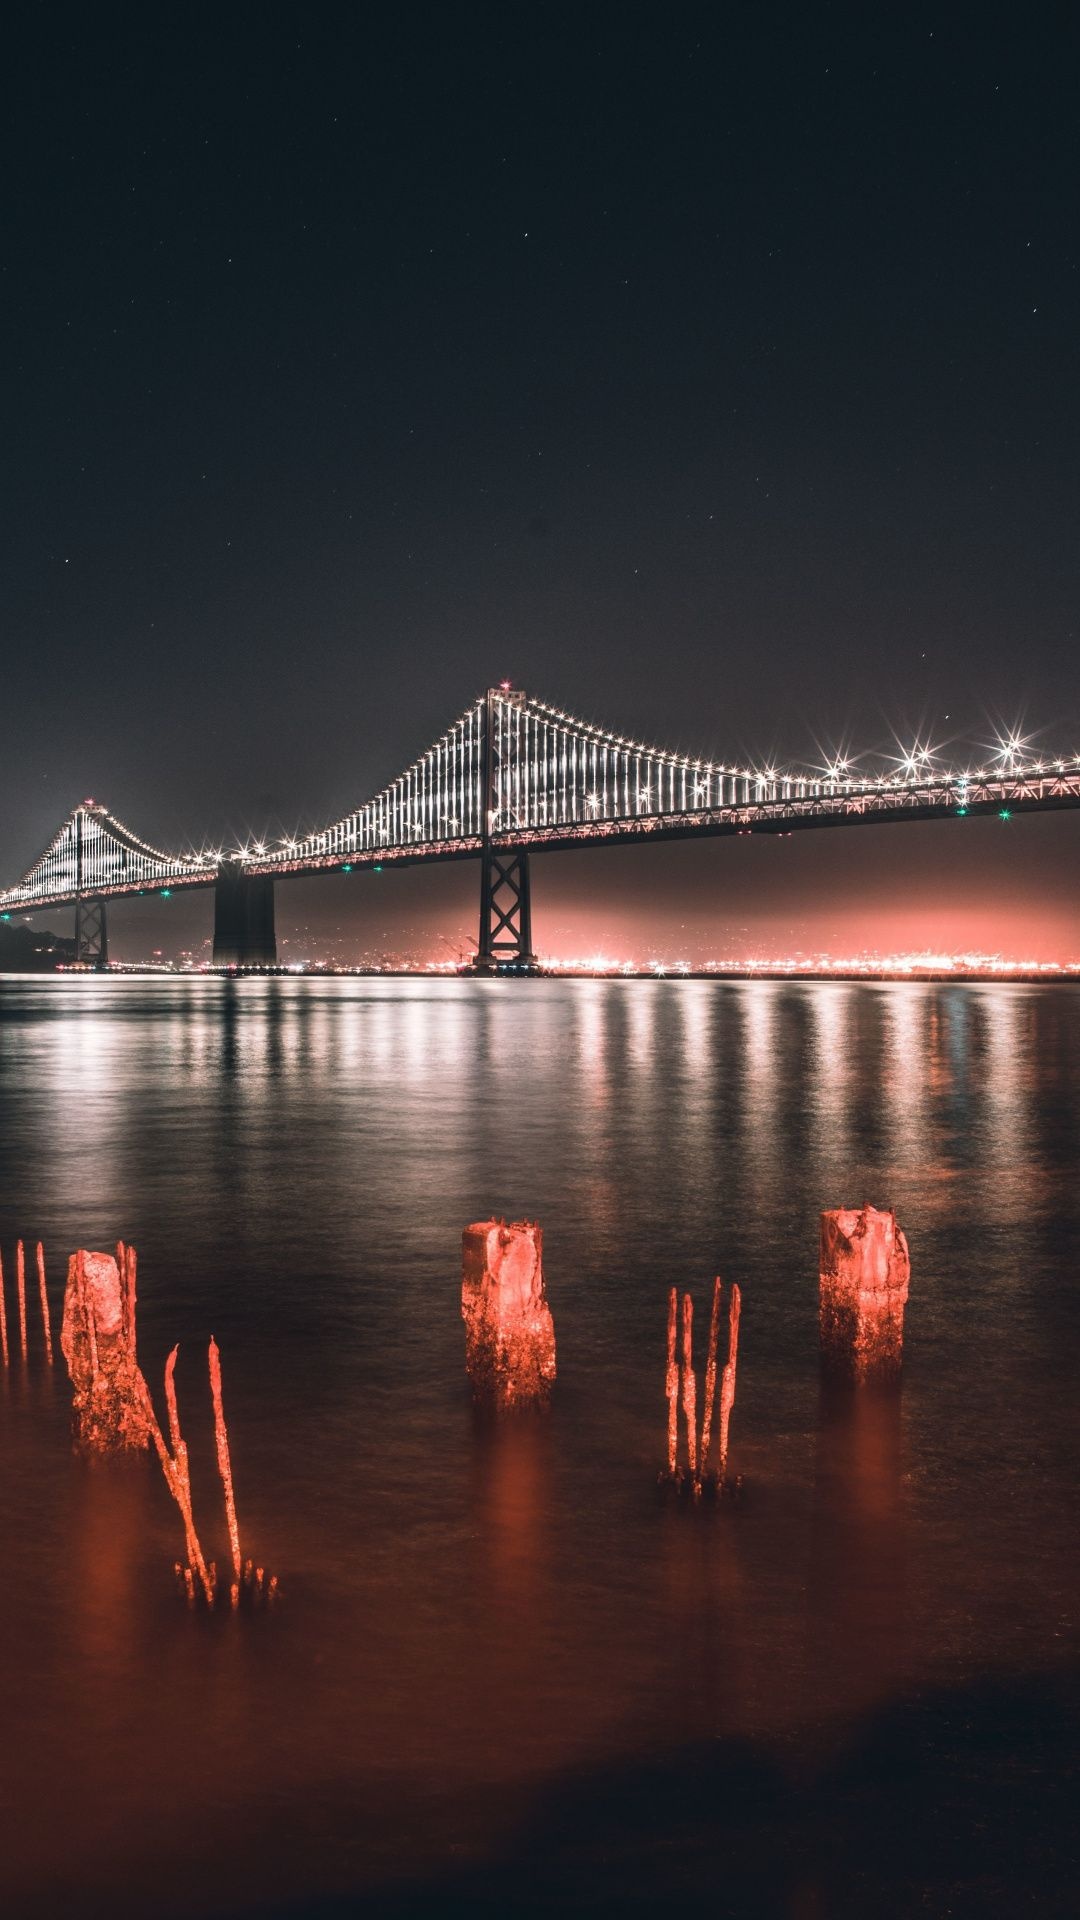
x=490, y=1642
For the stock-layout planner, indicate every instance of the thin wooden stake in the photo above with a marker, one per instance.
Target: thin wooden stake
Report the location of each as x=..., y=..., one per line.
x=44, y=1302
x=224, y=1463
x=3, y=1316
x=689, y=1385
x=176, y=1471
x=20, y=1282
x=710, y=1376
x=176, y=1439
x=727, y=1384
x=672, y=1383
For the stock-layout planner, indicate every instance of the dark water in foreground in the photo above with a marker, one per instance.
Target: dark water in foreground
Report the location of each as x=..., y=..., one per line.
x=502, y=1675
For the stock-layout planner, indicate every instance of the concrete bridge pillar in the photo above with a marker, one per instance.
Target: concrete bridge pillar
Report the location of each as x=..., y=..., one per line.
x=243, y=918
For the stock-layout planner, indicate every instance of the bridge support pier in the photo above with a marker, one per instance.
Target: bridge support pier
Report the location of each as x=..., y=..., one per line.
x=91, y=934
x=243, y=918
x=505, y=944
x=505, y=914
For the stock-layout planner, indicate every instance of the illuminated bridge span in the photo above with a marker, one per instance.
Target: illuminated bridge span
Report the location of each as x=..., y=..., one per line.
x=513, y=774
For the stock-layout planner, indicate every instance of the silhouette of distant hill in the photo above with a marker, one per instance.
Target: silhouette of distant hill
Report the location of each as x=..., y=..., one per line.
x=26, y=949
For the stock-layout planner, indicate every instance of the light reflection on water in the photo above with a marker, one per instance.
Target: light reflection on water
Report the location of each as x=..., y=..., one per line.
x=294, y=1161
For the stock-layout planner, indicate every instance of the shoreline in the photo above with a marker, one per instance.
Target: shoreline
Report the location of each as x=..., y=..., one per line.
x=1057, y=976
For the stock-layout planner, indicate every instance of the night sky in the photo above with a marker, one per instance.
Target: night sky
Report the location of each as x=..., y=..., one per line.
x=710, y=372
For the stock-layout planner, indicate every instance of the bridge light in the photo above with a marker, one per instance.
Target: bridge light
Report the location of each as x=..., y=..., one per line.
x=166, y=893
x=1005, y=814
x=961, y=811
x=378, y=869
x=1011, y=747
x=347, y=868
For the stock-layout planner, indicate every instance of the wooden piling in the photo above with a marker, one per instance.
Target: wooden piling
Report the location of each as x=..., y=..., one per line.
x=865, y=1273
x=84, y=1296
x=20, y=1283
x=727, y=1384
x=3, y=1317
x=224, y=1464
x=40, y=1256
x=710, y=1377
x=671, y=1383
x=177, y=1474
x=689, y=1385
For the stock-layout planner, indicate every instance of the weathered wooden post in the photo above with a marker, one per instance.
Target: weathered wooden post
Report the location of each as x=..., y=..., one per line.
x=864, y=1276
x=20, y=1288
x=221, y=1437
x=509, y=1331
x=45, y=1320
x=689, y=1390
x=111, y=1407
x=671, y=1384
x=727, y=1379
x=710, y=1378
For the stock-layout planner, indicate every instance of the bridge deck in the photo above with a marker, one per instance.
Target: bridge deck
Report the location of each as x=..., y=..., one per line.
x=870, y=807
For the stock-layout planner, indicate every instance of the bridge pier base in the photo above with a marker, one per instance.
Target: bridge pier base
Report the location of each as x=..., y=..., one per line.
x=91, y=934
x=505, y=915
x=243, y=918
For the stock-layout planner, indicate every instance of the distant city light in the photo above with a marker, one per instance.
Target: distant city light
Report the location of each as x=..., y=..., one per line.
x=815, y=966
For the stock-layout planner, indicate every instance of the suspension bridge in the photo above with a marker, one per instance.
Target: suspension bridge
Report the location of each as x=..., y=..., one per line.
x=511, y=776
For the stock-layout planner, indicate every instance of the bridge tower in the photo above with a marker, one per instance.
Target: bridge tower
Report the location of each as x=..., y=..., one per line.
x=91, y=933
x=505, y=904
x=243, y=918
